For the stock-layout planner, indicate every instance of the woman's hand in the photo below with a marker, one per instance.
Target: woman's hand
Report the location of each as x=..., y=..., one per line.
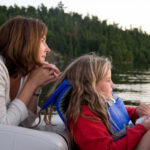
x=53, y=72
x=143, y=110
x=37, y=78
x=40, y=76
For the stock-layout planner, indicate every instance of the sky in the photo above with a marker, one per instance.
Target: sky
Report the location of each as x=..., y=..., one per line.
x=125, y=13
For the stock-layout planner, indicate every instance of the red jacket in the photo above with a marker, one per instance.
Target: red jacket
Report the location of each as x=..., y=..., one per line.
x=90, y=135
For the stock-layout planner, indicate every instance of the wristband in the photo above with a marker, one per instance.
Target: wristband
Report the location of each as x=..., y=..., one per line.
x=36, y=94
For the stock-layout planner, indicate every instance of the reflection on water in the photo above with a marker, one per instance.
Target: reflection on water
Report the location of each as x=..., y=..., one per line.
x=132, y=83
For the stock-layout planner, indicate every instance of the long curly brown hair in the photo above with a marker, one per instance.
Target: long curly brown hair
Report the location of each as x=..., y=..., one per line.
x=83, y=74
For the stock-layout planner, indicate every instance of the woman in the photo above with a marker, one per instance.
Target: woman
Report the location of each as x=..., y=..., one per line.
x=23, y=69
x=94, y=117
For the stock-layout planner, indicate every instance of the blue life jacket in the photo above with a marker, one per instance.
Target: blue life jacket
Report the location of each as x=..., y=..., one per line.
x=118, y=116
x=117, y=113
x=60, y=99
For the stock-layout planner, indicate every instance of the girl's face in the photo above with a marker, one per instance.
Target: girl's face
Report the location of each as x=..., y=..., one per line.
x=44, y=49
x=105, y=85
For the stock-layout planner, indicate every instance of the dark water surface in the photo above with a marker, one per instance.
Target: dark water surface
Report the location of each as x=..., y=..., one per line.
x=132, y=83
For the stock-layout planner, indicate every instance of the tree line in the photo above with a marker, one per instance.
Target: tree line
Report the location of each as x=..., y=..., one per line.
x=71, y=34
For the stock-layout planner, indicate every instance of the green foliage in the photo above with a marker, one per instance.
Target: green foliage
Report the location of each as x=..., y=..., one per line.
x=72, y=35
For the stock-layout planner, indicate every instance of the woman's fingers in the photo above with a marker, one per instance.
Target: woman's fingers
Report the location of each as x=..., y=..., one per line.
x=53, y=75
x=40, y=76
x=51, y=66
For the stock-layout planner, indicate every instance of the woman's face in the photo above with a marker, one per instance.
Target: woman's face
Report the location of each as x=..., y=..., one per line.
x=105, y=85
x=44, y=49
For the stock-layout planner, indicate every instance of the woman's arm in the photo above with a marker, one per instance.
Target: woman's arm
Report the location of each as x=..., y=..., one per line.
x=11, y=113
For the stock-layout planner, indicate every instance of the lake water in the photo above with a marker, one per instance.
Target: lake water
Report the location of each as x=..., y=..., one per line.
x=132, y=83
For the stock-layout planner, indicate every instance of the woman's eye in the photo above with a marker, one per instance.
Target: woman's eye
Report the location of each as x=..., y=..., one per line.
x=43, y=40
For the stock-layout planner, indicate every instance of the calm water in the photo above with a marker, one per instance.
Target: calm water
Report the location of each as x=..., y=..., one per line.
x=132, y=83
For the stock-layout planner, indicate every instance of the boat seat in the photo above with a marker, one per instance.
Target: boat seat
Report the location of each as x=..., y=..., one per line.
x=42, y=138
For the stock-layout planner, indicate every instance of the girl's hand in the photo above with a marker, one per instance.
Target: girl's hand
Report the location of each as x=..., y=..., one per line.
x=146, y=123
x=143, y=110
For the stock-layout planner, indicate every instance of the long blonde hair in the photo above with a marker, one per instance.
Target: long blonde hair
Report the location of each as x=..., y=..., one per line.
x=83, y=74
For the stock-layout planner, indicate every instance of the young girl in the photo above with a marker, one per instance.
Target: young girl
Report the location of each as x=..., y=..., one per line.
x=90, y=111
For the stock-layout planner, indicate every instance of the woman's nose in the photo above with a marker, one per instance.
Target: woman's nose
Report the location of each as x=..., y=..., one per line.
x=47, y=48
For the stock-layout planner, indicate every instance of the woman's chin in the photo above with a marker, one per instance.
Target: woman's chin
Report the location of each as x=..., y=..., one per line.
x=44, y=61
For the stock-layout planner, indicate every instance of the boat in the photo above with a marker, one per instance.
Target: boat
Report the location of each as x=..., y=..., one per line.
x=43, y=137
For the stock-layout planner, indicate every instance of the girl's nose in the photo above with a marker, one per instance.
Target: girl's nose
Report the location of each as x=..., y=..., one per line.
x=112, y=84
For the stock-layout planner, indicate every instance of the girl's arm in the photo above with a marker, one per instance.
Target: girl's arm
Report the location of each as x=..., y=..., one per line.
x=94, y=135
x=132, y=113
